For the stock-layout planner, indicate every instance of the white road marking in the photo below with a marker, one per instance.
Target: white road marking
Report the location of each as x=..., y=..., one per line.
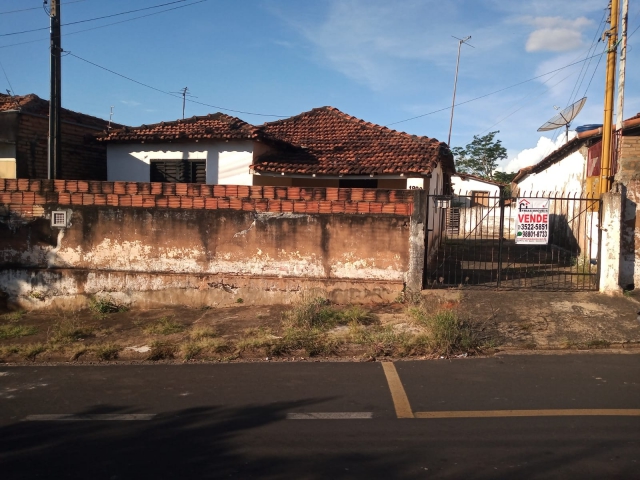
x=73, y=417
x=330, y=416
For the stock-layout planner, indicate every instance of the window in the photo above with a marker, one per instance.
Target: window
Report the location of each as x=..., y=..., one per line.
x=479, y=199
x=59, y=219
x=179, y=171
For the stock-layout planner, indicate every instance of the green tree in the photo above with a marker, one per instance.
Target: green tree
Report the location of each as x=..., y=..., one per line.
x=504, y=177
x=481, y=156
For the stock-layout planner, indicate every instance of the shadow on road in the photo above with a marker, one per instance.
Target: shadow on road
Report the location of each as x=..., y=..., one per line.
x=216, y=442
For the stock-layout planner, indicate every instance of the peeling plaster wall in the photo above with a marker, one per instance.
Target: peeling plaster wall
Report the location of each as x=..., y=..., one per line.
x=628, y=179
x=212, y=256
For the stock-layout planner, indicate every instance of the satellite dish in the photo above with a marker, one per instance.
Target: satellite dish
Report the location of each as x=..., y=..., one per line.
x=565, y=117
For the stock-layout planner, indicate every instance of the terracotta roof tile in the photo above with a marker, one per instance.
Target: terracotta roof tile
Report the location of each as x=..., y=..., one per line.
x=326, y=141
x=33, y=104
x=217, y=126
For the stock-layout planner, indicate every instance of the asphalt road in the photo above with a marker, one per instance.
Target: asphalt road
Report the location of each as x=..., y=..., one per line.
x=325, y=420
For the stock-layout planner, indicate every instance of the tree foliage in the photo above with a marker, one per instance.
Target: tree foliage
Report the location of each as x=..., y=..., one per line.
x=504, y=177
x=481, y=156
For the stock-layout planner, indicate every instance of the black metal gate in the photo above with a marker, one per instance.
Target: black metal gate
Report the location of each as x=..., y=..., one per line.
x=472, y=244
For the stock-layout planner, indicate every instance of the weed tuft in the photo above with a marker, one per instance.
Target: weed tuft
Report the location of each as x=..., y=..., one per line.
x=107, y=351
x=314, y=313
x=13, y=317
x=200, y=333
x=161, y=351
x=103, y=306
x=164, y=326
x=444, y=332
x=16, y=331
x=31, y=351
x=68, y=331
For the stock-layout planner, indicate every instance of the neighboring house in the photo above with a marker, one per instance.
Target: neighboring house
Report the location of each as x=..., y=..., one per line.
x=323, y=147
x=479, y=191
x=24, y=132
x=326, y=147
x=568, y=169
x=215, y=149
x=563, y=170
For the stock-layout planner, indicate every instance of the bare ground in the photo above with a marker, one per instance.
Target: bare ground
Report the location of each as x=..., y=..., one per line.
x=505, y=321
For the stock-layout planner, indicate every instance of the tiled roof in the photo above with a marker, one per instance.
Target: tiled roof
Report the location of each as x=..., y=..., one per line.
x=468, y=176
x=326, y=141
x=217, y=126
x=33, y=104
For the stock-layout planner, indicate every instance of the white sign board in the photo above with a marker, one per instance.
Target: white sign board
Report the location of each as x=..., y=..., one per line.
x=532, y=221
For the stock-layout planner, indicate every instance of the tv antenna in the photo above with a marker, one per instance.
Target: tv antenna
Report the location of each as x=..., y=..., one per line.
x=185, y=93
x=564, y=118
x=461, y=41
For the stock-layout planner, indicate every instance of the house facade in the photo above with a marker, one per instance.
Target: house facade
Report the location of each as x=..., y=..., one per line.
x=213, y=149
x=575, y=168
x=24, y=130
x=320, y=148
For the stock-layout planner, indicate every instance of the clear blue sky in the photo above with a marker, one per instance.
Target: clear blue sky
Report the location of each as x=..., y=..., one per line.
x=377, y=60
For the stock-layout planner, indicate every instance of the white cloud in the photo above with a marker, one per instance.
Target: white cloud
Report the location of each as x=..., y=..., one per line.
x=130, y=103
x=531, y=156
x=555, y=34
x=372, y=41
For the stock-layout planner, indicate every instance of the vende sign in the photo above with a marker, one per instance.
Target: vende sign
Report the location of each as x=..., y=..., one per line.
x=532, y=221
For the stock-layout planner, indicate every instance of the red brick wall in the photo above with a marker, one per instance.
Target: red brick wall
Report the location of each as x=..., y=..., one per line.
x=20, y=195
x=81, y=157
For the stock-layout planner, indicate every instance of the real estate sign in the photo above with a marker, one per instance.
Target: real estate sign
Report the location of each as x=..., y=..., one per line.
x=532, y=221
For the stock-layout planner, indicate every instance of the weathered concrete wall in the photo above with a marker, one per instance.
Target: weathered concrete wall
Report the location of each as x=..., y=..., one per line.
x=206, y=249
x=628, y=180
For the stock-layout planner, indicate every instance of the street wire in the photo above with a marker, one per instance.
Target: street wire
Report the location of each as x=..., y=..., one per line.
x=172, y=94
x=104, y=26
x=36, y=8
x=496, y=91
x=101, y=18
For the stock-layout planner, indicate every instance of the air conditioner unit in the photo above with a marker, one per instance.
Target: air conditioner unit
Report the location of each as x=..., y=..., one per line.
x=59, y=219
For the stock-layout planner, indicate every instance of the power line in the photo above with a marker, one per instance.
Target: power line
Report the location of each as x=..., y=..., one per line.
x=104, y=26
x=101, y=18
x=7, y=77
x=172, y=94
x=36, y=8
x=497, y=91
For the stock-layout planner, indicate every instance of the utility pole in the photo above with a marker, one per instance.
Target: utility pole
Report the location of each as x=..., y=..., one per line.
x=621, y=75
x=55, y=97
x=455, y=81
x=184, y=93
x=607, y=127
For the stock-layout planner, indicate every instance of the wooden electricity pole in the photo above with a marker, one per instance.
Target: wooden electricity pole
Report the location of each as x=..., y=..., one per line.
x=55, y=97
x=607, y=127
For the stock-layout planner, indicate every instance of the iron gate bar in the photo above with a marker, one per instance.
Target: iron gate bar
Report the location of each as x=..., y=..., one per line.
x=470, y=254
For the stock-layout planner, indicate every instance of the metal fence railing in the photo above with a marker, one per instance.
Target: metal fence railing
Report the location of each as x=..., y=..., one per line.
x=479, y=245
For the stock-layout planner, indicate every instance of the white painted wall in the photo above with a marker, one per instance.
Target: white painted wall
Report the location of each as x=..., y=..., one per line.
x=227, y=162
x=466, y=186
x=565, y=176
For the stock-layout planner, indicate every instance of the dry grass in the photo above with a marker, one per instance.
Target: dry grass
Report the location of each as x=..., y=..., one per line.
x=164, y=326
x=106, y=351
x=11, y=330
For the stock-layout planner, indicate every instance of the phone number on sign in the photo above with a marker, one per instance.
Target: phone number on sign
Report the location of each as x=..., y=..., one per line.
x=539, y=233
x=533, y=226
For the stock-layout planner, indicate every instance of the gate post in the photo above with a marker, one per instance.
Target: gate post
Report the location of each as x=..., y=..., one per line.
x=417, y=233
x=500, y=239
x=610, y=230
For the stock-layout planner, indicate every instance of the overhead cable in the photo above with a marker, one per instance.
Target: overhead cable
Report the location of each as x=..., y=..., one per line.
x=172, y=94
x=497, y=91
x=101, y=18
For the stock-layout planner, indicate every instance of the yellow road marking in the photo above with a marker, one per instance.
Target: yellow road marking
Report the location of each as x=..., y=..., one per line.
x=400, y=400
x=530, y=413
